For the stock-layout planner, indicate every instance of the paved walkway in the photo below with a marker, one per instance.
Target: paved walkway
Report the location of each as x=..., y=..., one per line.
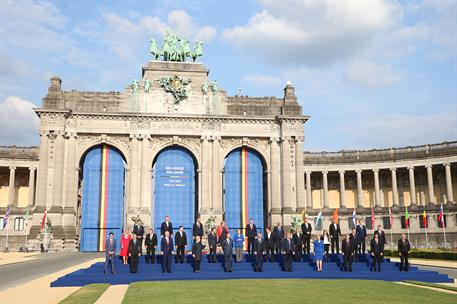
x=17, y=257
x=113, y=295
x=430, y=287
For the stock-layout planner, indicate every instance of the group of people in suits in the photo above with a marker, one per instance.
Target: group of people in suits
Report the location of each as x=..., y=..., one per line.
x=275, y=245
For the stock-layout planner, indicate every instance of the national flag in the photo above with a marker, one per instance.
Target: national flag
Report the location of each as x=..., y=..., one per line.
x=441, y=216
x=26, y=215
x=335, y=216
x=407, y=218
x=372, y=219
x=425, y=219
x=5, y=219
x=319, y=218
x=391, y=218
x=43, y=220
x=303, y=215
x=354, y=218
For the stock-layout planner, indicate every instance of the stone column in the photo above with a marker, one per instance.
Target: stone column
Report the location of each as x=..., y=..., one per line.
x=393, y=172
x=449, y=194
x=325, y=188
x=342, y=190
x=145, y=199
x=359, y=188
x=134, y=189
x=69, y=194
x=309, y=195
x=58, y=170
x=412, y=186
x=217, y=175
x=42, y=172
x=275, y=176
x=377, y=202
x=288, y=194
x=431, y=191
x=31, y=193
x=300, y=174
x=11, y=192
x=206, y=194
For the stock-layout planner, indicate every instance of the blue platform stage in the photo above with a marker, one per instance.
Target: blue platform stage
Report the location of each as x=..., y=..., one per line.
x=304, y=269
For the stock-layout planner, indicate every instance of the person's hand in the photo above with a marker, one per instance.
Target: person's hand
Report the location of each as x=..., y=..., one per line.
x=130, y=254
x=255, y=253
x=382, y=254
x=399, y=253
x=161, y=252
x=372, y=254
x=193, y=255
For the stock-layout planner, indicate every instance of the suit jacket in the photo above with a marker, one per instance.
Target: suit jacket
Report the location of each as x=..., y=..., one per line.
x=259, y=247
x=197, y=249
x=298, y=239
x=278, y=235
x=134, y=247
x=269, y=240
x=347, y=247
x=286, y=247
x=164, y=228
x=212, y=240
x=306, y=229
x=361, y=232
x=335, y=233
x=138, y=230
x=197, y=230
x=110, y=247
x=227, y=247
x=166, y=248
x=375, y=248
x=180, y=240
x=151, y=240
x=404, y=248
x=381, y=237
x=251, y=232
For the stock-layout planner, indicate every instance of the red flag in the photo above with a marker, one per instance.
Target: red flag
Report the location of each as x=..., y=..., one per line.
x=441, y=216
x=372, y=219
x=391, y=218
x=424, y=218
x=43, y=221
x=335, y=216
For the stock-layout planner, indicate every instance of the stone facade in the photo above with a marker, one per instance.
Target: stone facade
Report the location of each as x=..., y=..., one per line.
x=141, y=122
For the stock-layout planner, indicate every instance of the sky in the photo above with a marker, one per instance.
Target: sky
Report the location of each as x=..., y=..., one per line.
x=371, y=74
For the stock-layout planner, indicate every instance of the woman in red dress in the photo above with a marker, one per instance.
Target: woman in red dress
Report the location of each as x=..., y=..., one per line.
x=222, y=232
x=125, y=240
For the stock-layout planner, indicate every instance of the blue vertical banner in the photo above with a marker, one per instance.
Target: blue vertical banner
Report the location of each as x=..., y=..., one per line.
x=174, y=190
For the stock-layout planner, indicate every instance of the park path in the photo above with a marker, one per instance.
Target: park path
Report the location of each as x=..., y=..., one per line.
x=113, y=295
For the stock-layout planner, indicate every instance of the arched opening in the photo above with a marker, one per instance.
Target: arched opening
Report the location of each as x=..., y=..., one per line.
x=101, y=210
x=174, y=181
x=245, y=189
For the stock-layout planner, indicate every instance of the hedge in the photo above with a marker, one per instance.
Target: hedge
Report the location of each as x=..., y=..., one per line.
x=426, y=254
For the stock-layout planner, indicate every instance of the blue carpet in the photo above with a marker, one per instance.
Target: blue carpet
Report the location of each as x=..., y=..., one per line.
x=304, y=269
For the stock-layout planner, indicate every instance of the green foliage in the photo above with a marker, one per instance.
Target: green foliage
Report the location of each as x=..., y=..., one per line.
x=295, y=223
x=210, y=223
x=435, y=254
x=87, y=294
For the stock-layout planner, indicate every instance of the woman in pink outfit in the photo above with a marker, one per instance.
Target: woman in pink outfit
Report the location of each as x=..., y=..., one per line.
x=125, y=240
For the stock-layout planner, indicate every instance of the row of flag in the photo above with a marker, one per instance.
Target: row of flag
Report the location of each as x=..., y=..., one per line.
x=391, y=218
x=7, y=215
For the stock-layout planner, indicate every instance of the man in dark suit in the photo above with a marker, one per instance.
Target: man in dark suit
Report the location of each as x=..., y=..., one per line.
x=306, y=230
x=278, y=236
x=197, y=229
x=381, y=237
x=166, y=247
x=335, y=233
x=347, y=249
x=251, y=233
x=166, y=226
x=353, y=237
x=288, y=251
x=138, y=230
x=376, y=252
x=227, y=247
x=298, y=244
x=151, y=243
x=134, y=251
x=259, y=250
x=110, y=254
x=181, y=243
x=361, y=232
x=403, y=250
x=212, y=243
x=269, y=245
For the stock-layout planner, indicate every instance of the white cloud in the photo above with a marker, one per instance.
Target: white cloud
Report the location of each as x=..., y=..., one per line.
x=260, y=80
x=313, y=33
x=18, y=122
x=371, y=75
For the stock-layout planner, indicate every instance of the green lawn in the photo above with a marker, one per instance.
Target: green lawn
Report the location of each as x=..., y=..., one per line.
x=281, y=291
x=88, y=294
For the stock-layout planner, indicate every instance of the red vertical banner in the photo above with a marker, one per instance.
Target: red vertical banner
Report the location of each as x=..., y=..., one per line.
x=103, y=196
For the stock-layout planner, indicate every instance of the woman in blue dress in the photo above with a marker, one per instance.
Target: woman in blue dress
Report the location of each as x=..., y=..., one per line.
x=318, y=253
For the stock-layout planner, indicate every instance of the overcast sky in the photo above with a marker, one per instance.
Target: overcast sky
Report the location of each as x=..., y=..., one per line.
x=371, y=74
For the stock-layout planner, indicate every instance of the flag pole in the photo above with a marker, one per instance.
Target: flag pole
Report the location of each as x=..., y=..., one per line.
x=444, y=232
x=6, y=242
x=426, y=236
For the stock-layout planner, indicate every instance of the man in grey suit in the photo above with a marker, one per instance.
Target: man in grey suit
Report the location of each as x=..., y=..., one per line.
x=110, y=252
x=227, y=247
